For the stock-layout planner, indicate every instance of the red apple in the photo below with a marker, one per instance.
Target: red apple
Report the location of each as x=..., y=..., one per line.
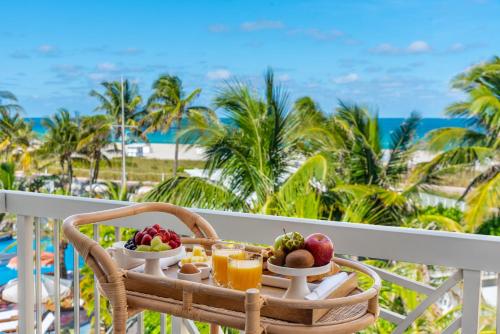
x=321, y=247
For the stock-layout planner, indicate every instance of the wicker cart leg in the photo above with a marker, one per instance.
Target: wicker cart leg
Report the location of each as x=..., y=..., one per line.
x=119, y=319
x=252, y=312
x=214, y=329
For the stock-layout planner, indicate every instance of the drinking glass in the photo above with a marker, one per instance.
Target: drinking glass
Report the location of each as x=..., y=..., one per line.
x=220, y=253
x=245, y=272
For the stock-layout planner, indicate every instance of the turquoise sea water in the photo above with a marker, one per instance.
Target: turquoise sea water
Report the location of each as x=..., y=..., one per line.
x=387, y=125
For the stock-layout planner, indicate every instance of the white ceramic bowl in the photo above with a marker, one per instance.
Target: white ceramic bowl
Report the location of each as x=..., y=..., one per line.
x=153, y=255
x=196, y=277
x=204, y=268
x=123, y=260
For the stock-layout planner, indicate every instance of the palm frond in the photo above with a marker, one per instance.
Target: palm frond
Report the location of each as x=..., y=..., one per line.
x=400, y=148
x=299, y=195
x=196, y=192
x=482, y=203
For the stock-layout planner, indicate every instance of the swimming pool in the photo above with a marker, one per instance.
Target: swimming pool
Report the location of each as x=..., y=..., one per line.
x=6, y=274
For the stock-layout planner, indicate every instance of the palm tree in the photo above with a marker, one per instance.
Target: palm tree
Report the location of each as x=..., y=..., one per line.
x=168, y=104
x=354, y=142
x=110, y=103
x=16, y=135
x=364, y=183
x=95, y=136
x=464, y=148
x=61, y=142
x=11, y=105
x=251, y=163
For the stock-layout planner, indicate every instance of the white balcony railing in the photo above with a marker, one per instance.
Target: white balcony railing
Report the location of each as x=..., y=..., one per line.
x=468, y=256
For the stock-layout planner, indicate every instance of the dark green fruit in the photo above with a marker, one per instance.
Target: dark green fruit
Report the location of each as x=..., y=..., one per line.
x=289, y=242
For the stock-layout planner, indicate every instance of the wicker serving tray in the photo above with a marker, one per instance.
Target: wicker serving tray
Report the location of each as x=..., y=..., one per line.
x=347, y=310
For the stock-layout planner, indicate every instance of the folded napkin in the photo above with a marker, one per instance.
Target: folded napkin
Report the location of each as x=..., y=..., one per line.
x=164, y=262
x=325, y=288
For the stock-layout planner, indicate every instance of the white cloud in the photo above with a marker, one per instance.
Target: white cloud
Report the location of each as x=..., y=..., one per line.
x=457, y=47
x=217, y=28
x=219, y=74
x=47, y=50
x=320, y=35
x=262, y=25
x=97, y=76
x=385, y=48
x=106, y=67
x=130, y=51
x=415, y=47
x=418, y=47
x=348, y=78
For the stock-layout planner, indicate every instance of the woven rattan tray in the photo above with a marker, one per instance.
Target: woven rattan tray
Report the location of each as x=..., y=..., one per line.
x=348, y=310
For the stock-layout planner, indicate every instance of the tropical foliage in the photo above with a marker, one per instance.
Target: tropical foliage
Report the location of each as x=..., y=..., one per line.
x=249, y=162
x=61, y=142
x=16, y=134
x=466, y=148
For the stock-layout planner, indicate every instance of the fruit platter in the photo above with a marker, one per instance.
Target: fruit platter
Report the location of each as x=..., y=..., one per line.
x=152, y=244
x=297, y=258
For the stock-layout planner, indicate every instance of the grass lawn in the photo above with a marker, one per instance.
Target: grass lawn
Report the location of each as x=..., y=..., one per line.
x=138, y=169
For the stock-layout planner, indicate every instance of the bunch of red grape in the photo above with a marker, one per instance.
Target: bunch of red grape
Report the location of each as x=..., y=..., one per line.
x=146, y=236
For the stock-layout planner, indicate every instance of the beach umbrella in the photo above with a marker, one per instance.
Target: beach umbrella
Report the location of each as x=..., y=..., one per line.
x=46, y=259
x=9, y=293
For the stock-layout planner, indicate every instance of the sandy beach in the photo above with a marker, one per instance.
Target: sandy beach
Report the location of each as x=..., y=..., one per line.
x=167, y=151
x=186, y=152
x=160, y=151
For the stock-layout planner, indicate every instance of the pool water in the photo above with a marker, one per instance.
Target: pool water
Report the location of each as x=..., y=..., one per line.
x=6, y=274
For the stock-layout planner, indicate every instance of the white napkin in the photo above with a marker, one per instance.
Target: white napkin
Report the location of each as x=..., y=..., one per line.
x=325, y=288
x=164, y=262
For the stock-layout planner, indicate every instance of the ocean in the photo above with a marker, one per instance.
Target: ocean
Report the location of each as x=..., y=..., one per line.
x=387, y=125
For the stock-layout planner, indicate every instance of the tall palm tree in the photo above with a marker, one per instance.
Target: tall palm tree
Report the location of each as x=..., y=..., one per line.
x=96, y=132
x=251, y=163
x=61, y=142
x=168, y=104
x=464, y=148
x=110, y=103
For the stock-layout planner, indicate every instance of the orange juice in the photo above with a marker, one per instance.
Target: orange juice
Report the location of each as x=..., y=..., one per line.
x=244, y=274
x=219, y=261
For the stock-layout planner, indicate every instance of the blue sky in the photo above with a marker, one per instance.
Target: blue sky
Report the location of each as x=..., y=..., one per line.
x=395, y=56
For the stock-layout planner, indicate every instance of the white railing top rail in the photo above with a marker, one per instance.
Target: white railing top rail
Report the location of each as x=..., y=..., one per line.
x=457, y=250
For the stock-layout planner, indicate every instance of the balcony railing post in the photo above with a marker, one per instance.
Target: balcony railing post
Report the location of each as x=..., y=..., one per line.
x=26, y=284
x=471, y=301
x=178, y=326
x=97, y=301
x=498, y=303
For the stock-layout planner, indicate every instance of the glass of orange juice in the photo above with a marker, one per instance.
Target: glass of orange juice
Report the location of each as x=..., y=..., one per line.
x=245, y=272
x=220, y=254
